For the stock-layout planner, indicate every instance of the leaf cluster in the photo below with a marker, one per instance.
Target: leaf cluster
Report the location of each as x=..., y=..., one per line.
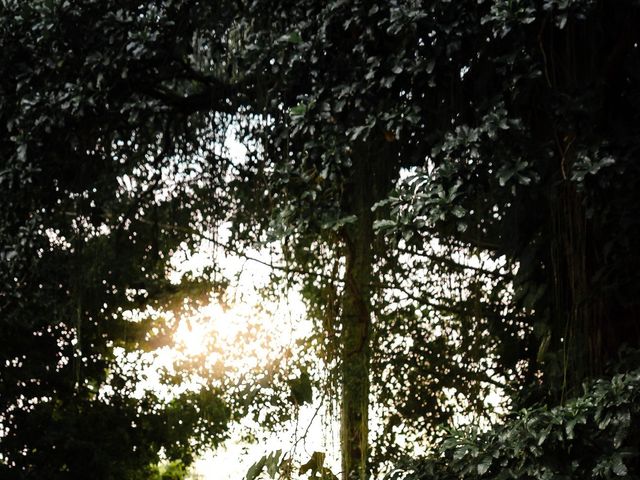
x=591, y=436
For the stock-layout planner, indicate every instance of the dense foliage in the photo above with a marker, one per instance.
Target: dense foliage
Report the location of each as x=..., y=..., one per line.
x=509, y=132
x=594, y=435
x=82, y=243
x=453, y=187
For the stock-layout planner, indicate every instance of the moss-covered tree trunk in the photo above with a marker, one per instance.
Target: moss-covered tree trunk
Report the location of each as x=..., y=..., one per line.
x=371, y=181
x=356, y=320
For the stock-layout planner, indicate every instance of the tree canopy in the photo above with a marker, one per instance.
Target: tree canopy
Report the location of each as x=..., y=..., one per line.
x=451, y=185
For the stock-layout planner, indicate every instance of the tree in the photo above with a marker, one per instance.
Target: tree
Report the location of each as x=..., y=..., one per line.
x=539, y=164
x=88, y=114
x=344, y=84
x=82, y=242
x=502, y=107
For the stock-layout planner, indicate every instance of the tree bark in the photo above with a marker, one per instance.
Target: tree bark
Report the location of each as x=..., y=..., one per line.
x=373, y=173
x=356, y=323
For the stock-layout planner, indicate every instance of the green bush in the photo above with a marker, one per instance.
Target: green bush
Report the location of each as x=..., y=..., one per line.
x=593, y=436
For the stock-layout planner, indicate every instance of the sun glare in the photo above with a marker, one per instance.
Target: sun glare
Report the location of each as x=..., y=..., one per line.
x=191, y=336
x=242, y=336
x=212, y=323
x=244, y=341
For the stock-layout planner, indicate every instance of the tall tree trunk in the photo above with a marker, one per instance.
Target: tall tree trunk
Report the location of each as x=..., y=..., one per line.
x=575, y=310
x=356, y=322
x=372, y=178
x=590, y=322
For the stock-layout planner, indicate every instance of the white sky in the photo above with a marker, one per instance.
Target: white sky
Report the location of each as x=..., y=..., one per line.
x=287, y=324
